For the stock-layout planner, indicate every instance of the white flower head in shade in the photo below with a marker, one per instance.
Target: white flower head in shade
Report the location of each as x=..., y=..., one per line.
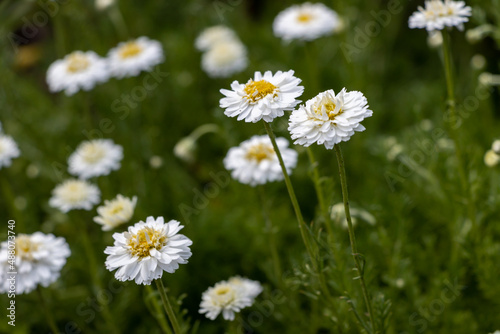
x=115, y=212
x=255, y=162
x=329, y=119
x=213, y=36
x=95, y=158
x=250, y=287
x=225, y=59
x=436, y=15
x=148, y=249
x=75, y=194
x=224, y=297
x=78, y=70
x=307, y=21
x=128, y=59
x=264, y=97
x=8, y=150
x=39, y=259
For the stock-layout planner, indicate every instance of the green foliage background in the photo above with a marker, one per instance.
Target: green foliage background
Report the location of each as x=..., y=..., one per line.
x=420, y=246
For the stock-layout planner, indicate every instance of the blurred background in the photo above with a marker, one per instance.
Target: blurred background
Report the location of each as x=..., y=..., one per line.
x=420, y=256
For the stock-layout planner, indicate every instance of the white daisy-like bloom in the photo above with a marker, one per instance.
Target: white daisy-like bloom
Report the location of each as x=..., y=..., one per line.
x=250, y=287
x=95, y=158
x=264, y=97
x=436, y=15
x=38, y=259
x=115, y=212
x=307, y=21
x=491, y=158
x=75, y=194
x=225, y=59
x=78, y=70
x=128, y=59
x=255, y=162
x=225, y=298
x=148, y=249
x=8, y=150
x=329, y=119
x=213, y=36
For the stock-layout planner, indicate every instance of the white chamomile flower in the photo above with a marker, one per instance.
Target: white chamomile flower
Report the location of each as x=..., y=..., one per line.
x=307, y=21
x=255, y=162
x=115, y=212
x=148, y=249
x=8, y=150
x=213, y=36
x=78, y=70
x=75, y=194
x=225, y=59
x=436, y=15
x=264, y=97
x=95, y=158
x=226, y=298
x=128, y=59
x=328, y=118
x=250, y=287
x=38, y=259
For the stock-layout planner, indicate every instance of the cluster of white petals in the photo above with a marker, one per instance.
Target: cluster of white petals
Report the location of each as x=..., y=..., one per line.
x=438, y=14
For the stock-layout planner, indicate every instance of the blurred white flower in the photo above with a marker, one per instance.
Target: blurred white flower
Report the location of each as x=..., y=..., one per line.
x=307, y=21
x=115, y=212
x=103, y=4
x=213, y=36
x=328, y=118
x=75, y=194
x=496, y=146
x=264, y=97
x=185, y=149
x=255, y=162
x=156, y=161
x=225, y=59
x=491, y=159
x=78, y=70
x=478, y=33
x=438, y=14
x=250, y=287
x=38, y=259
x=435, y=39
x=128, y=59
x=488, y=79
x=95, y=158
x=8, y=150
x=337, y=213
x=148, y=249
x=478, y=62
x=228, y=298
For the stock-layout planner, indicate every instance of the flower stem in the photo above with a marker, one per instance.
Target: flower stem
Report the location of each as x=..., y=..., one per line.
x=352, y=237
x=159, y=315
x=46, y=309
x=167, y=306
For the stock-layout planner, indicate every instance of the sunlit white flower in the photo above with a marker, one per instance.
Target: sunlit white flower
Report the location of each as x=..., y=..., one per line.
x=436, y=15
x=491, y=158
x=307, y=21
x=328, y=118
x=250, y=287
x=75, y=194
x=264, y=97
x=226, y=298
x=214, y=35
x=8, y=150
x=115, y=212
x=78, y=70
x=255, y=162
x=128, y=59
x=225, y=59
x=38, y=259
x=95, y=158
x=148, y=249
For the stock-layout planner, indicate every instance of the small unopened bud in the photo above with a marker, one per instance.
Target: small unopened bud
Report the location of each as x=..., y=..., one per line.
x=491, y=159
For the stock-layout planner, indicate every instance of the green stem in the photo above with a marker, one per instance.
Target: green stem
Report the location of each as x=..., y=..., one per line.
x=117, y=19
x=167, y=306
x=319, y=191
x=10, y=200
x=48, y=314
x=352, y=237
x=159, y=315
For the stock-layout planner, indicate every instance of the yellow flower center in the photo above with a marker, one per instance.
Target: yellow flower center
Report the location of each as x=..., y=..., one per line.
x=329, y=107
x=222, y=291
x=117, y=208
x=260, y=152
x=92, y=152
x=257, y=90
x=25, y=247
x=145, y=240
x=77, y=62
x=73, y=191
x=130, y=49
x=304, y=17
